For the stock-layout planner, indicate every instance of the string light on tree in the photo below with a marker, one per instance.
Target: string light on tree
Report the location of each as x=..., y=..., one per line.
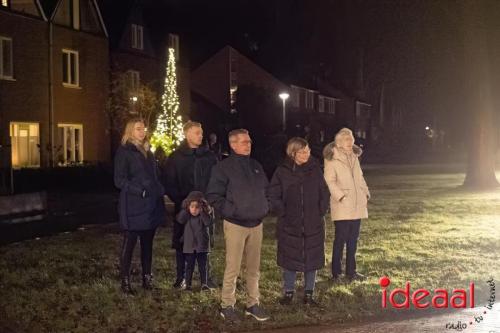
x=169, y=134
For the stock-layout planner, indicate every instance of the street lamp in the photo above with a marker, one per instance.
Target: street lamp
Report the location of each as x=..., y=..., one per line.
x=133, y=99
x=284, y=96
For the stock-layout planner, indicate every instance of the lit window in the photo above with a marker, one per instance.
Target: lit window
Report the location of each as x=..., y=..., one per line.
x=6, y=63
x=137, y=37
x=70, y=144
x=5, y=3
x=70, y=68
x=25, y=141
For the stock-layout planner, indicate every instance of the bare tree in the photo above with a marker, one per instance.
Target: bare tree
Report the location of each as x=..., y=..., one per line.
x=125, y=102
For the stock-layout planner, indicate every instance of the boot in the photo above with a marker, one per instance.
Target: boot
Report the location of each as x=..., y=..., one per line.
x=309, y=299
x=147, y=282
x=287, y=298
x=180, y=283
x=126, y=287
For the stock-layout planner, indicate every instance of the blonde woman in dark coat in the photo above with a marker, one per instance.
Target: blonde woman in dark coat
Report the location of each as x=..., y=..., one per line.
x=141, y=206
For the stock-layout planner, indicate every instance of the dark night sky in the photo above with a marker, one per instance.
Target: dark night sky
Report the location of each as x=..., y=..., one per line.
x=415, y=47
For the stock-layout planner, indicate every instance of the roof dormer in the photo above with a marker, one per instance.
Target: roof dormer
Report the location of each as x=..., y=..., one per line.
x=82, y=15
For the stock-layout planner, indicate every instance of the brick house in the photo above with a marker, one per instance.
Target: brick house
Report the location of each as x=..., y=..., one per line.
x=54, y=90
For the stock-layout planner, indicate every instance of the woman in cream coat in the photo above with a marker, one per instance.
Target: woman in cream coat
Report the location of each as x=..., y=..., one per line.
x=348, y=203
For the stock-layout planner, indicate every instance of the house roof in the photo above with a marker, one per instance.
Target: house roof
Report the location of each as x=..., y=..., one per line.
x=50, y=7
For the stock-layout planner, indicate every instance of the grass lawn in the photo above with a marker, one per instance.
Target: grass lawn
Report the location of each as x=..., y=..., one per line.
x=422, y=228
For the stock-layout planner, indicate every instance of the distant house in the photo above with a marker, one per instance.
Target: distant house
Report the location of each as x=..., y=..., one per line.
x=314, y=109
x=215, y=86
x=324, y=109
x=53, y=84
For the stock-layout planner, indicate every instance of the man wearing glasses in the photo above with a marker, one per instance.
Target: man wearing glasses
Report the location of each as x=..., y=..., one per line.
x=237, y=190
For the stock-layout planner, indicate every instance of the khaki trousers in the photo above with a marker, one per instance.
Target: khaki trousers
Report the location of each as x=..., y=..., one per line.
x=242, y=243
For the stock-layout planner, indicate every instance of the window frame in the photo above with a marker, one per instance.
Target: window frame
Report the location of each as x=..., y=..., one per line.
x=72, y=127
x=137, y=37
x=75, y=14
x=11, y=55
x=133, y=80
x=70, y=84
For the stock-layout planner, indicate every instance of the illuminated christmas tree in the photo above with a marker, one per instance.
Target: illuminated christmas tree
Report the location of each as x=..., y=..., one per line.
x=168, y=133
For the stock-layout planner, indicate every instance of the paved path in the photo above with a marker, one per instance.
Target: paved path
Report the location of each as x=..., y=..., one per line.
x=434, y=323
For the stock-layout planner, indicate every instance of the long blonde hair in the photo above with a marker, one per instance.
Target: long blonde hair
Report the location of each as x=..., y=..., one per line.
x=129, y=128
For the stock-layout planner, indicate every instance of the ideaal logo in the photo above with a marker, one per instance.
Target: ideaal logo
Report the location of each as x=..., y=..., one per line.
x=423, y=298
x=439, y=299
x=460, y=326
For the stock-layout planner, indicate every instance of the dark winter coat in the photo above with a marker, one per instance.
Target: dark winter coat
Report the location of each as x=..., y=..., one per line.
x=187, y=169
x=237, y=190
x=141, y=205
x=196, y=235
x=300, y=197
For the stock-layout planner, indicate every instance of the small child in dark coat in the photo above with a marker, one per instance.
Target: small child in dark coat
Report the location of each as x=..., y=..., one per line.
x=196, y=216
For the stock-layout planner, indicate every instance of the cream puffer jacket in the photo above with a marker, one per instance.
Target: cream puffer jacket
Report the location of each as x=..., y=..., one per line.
x=348, y=189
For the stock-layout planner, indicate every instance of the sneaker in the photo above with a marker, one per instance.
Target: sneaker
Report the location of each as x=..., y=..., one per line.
x=229, y=314
x=180, y=284
x=257, y=312
x=309, y=299
x=207, y=287
x=287, y=298
x=356, y=277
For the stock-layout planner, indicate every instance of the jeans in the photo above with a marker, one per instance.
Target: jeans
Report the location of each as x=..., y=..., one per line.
x=129, y=241
x=191, y=259
x=290, y=276
x=180, y=263
x=346, y=233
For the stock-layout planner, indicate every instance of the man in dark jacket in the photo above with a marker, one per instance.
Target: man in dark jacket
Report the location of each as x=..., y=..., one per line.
x=237, y=190
x=187, y=169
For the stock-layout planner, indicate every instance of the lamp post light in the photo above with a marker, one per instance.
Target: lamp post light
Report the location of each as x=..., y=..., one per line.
x=284, y=96
x=133, y=99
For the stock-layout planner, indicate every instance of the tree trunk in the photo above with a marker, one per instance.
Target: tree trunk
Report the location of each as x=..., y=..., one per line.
x=481, y=134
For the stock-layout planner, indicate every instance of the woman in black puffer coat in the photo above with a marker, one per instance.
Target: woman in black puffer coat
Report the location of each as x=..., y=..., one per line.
x=299, y=195
x=141, y=206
